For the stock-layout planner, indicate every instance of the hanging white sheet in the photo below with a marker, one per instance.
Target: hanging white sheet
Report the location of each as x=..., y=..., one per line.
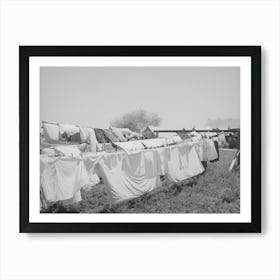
x=183, y=162
x=201, y=148
x=126, y=175
x=129, y=176
x=63, y=177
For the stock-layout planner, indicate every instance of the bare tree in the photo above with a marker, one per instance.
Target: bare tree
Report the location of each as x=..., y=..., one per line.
x=137, y=120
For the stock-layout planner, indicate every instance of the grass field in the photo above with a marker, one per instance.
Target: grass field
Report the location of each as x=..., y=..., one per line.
x=215, y=191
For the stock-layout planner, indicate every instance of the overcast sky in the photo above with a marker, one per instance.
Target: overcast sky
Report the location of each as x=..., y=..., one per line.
x=182, y=96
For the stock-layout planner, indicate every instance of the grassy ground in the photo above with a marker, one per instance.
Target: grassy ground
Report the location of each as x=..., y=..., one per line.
x=215, y=191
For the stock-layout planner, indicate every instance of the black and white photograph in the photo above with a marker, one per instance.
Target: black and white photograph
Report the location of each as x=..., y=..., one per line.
x=140, y=137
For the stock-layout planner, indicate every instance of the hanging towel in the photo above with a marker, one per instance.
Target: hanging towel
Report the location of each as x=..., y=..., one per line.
x=51, y=132
x=211, y=150
x=88, y=136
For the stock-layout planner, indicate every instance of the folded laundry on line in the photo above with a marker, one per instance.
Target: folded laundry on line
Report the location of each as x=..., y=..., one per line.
x=69, y=129
x=131, y=146
x=51, y=131
x=154, y=143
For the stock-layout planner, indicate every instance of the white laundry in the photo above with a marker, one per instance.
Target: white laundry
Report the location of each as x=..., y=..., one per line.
x=92, y=140
x=84, y=134
x=154, y=143
x=211, y=150
x=90, y=162
x=195, y=136
x=63, y=177
x=48, y=151
x=201, y=148
x=162, y=156
x=126, y=175
x=68, y=150
x=69, y=129
x=129, y=176
x=177, y=139
x=131, y=146
x=222, y=139
x=170, y=137
x=51, y=131
x=87, y=135
x=183, y=162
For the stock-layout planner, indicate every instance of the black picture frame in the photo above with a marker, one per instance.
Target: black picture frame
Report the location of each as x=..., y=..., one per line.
x=25, y=52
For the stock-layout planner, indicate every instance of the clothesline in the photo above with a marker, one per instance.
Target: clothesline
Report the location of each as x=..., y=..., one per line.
x=125, y=175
